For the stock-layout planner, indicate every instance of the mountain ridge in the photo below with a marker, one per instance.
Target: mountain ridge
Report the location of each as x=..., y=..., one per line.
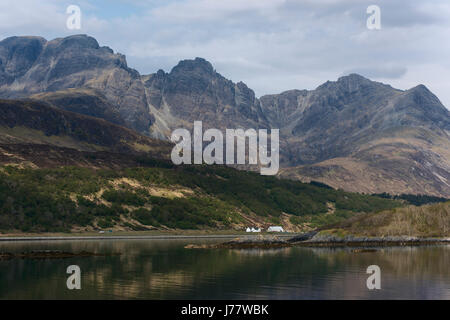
x=325, y=133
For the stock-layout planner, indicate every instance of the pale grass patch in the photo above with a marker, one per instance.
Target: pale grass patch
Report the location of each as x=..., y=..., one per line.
x=431, y=220
x=171, y=193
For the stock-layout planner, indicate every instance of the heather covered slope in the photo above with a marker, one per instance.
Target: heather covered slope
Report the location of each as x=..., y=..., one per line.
x=36, y=124
x=85, y=101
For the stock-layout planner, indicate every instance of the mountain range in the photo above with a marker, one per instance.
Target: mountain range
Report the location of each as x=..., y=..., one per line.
x=353, y=133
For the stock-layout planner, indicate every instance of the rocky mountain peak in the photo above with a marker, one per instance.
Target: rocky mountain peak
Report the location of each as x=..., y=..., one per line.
x=198, y=66
x=161, y=73
x=350, y=83
x=87, y=47
x=422, y=91
x=79, y=41
x=33, y=65
x=14, y=41
x=422, y=106
x=353, y=77
x=423, y=96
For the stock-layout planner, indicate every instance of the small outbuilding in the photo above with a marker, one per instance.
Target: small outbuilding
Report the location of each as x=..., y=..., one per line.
x=275, y=229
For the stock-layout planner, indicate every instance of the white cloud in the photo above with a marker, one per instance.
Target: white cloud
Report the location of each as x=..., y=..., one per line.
x=210, y=10
x=27, y=14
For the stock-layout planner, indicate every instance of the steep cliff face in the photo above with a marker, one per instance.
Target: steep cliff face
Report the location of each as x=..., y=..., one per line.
x=17, y=56
x=31, y=65
x=194, y=91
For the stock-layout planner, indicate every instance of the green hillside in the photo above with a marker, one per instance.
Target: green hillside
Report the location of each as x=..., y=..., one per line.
x=160, y=195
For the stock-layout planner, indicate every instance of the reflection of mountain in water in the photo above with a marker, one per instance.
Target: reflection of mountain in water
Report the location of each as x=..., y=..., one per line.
x=165, y=270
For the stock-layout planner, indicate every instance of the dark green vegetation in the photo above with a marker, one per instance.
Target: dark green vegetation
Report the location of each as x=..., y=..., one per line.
x=164, y=196
x=417, y=200
x=323, y=219
x=320, y=184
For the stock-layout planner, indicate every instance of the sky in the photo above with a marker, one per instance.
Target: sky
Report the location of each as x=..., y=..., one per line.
x=271, y=45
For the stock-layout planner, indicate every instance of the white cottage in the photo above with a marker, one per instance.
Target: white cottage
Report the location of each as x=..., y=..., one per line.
x=275, y=229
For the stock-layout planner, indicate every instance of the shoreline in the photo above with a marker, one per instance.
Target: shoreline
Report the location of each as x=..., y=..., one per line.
x=310, y=239
x=323, y=240
x=392, y=243
x=313, y=239
x=131, y=237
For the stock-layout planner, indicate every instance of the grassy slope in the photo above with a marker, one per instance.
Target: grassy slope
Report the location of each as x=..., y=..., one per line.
x=431, y=220
x=164, y=196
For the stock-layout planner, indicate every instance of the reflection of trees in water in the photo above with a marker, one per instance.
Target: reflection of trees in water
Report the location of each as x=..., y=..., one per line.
x=405, y=261
x=262, y=252
x=407, y=272
x=165, y=270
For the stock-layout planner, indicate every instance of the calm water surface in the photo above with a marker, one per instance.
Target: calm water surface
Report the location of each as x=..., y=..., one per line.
x=163, y=269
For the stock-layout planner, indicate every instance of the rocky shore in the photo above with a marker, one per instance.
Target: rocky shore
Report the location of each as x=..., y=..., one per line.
x=260, y=242
x=320, y=239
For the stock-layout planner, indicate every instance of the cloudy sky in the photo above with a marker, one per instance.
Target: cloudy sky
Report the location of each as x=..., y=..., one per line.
x=271, y=45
